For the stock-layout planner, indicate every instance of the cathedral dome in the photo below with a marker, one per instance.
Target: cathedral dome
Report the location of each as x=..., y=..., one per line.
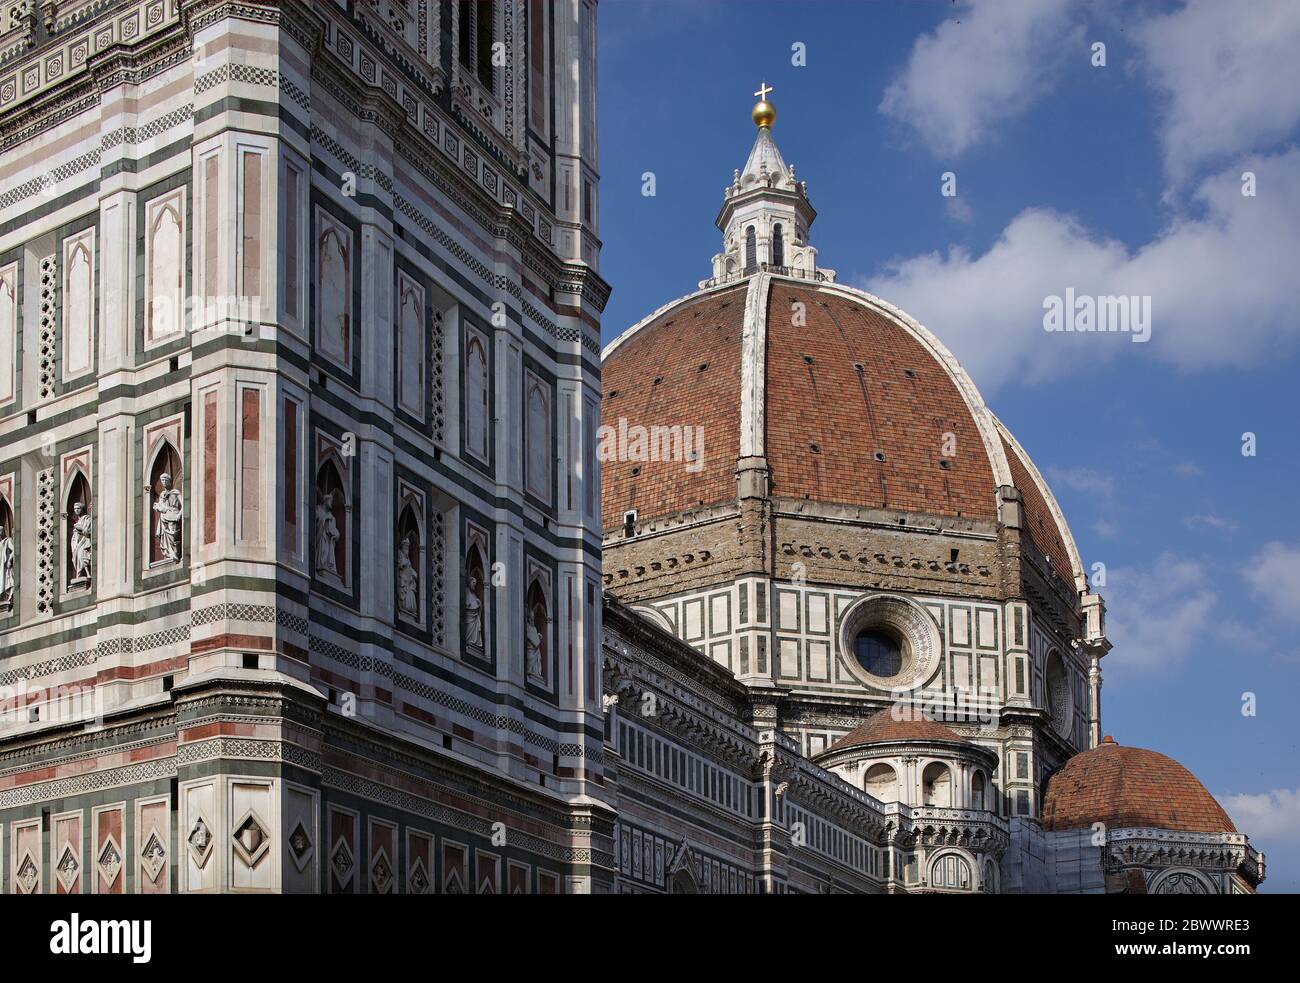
x=772, y=381
x=849, y=401
x=883, y=728
x=1130, y=787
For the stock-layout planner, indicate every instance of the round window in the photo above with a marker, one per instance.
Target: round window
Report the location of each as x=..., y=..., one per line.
x=889, y=643
x=878, y=652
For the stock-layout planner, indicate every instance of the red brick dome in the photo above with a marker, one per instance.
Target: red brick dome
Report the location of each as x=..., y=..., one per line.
x=850, y=401
x=1126, y=787
x=882, y=728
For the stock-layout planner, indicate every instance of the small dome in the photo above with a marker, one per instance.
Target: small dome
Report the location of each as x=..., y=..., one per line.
x=882, y=728
x=1129, y=787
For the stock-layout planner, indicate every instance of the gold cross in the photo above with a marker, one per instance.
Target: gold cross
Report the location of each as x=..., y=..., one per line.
x=763, y=90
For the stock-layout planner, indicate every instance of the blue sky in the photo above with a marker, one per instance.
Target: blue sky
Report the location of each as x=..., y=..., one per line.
x=1118, y=179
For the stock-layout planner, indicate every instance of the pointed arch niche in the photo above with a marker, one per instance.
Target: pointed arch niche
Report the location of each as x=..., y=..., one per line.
x=79, y=521
x=163, y=453
x=8, y=545
x=409, y=586
x=332, y=515
x=476, y=596
x=164, y=477
x=538, y=655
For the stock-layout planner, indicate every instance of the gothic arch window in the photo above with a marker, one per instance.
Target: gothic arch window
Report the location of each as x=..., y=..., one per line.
x=331, y=528
x=537, y=436
x=476, y=24
x=410, y=562
x=410, y=328
x=1058, y=698
x=778, y=246
x=476, y=396
x=979, y=791
x=8, y=555
x=1182, y=882
x=78, y=306
x=683, y=883
x=166, y=269
x=536, y=634
x=476, y=611
x=8, y=332
x=951, y=871
x=881, y=783
x=751, y=250
x=165, y=506
x=79, y=554
x=334, y=266
x=936, y=785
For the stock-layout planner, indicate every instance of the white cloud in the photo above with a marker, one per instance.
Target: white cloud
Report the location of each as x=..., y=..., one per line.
x=1156, y=618
x=1274, y=575
x=1209, y=520
x=1083, y=480
x=1222, y=284
x=959, y=210
x=1105, y=529
x=1228, y=75
x=1274, y=814
x=988, y=63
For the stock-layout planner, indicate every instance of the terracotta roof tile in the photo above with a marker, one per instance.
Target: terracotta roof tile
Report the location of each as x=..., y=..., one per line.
x=681, y=370
x=1130, y=787
x=900, y=403
x=883, y=728
x=844, y=387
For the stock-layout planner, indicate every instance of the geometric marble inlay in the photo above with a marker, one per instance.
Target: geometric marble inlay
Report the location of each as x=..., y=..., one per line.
x=153, y=856
x=200, y=842
x=342, y=861
x=67, y=868
x=109, y=862
x=381, y=872
x=419, y=879
x=250, y=839
x=300, y=846
x=27, y=874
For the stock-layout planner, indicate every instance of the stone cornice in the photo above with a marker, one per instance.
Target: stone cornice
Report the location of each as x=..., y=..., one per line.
x=1149, y=847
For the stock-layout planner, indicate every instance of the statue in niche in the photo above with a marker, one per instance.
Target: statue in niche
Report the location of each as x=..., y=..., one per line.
x=327, y=536
x=533, y=650
x=474, y=612
x=6, y=566
x=535, y=626
x=170, y=511
x=82, y=529
x=408, y=581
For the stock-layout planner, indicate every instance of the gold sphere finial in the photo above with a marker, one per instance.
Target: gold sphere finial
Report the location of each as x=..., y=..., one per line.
x=764, y=113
